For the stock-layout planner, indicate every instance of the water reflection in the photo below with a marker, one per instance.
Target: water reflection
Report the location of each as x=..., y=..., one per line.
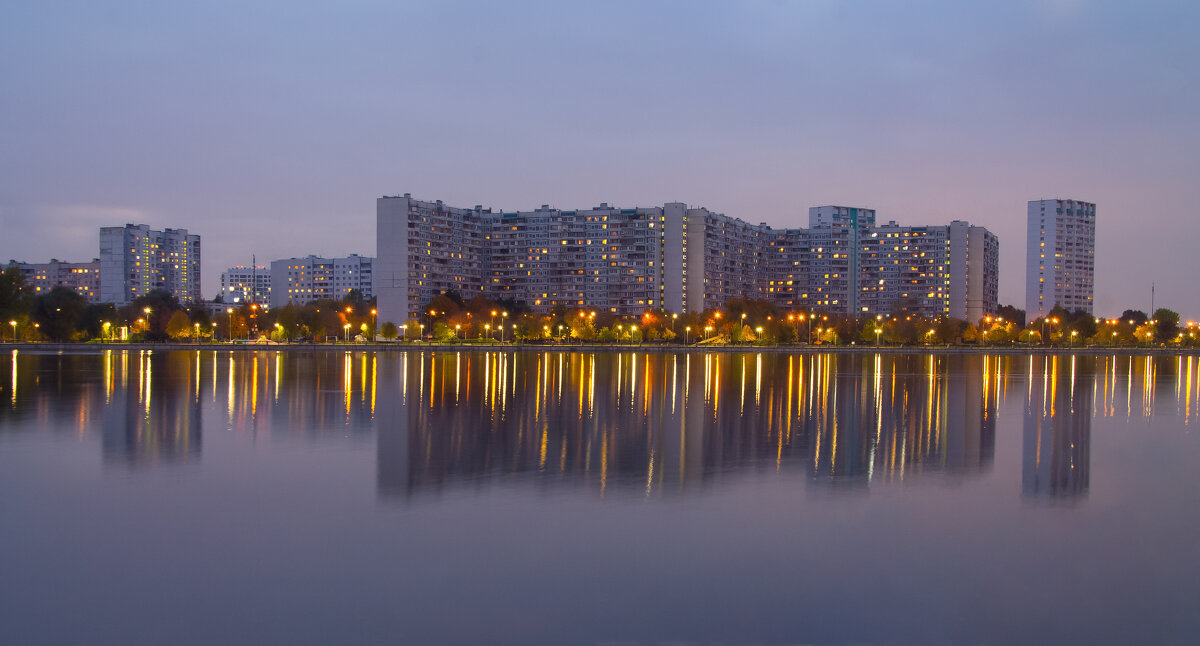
x=640, y=423
x=1056, y=448
x=653, y=423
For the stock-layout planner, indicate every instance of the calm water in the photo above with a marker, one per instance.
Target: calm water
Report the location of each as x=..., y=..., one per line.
x=558, y=498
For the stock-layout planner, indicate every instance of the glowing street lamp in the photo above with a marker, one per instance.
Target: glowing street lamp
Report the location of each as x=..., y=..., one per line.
x=457, y=329
x=14, y=330
x=196, y=331
x=877, y=332
x=687, y=331
x=229, y=311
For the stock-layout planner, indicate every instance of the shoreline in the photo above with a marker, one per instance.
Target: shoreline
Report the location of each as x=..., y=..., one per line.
x=645, y=348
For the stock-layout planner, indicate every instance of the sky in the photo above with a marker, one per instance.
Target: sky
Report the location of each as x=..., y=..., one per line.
x=269, y=128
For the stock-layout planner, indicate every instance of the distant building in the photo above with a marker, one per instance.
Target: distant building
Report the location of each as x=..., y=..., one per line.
x=1059, y=257
x=246, y=285
x=83, y=277
x=302, y=280
x=679, y=258
x=136, y=260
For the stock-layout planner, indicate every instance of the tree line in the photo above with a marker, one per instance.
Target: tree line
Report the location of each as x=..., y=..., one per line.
x=64, y=315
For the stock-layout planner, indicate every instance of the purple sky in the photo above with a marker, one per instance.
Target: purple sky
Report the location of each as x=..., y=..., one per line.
x=270, y=128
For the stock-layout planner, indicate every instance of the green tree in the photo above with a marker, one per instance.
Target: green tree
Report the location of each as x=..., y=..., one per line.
x=1166, y=325
x=179, y=326
x=389, y=331
x=15, y=299
x=412, y=330
x=58, y=313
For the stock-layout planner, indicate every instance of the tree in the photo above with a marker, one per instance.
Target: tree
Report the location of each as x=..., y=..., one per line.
x=58, y=312
x=389, y=331
x=15, y=300
x=412, y=330
x=1011, y=313
x=179, y=326
x=1167, y=324
x=1137, y=316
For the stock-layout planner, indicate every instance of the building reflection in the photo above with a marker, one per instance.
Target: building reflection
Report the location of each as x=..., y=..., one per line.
x=151, y=411
x=657, y=423
x=1057, y=429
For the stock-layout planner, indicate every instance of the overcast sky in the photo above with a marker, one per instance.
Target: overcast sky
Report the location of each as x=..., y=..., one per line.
x=269, y=128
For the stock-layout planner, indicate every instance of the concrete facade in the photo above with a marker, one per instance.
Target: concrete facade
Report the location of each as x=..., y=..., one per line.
x=135, y=260
x=83, y=277
x=297, y=281
x=1059, y=256
x=679, y=258
x=246, y=284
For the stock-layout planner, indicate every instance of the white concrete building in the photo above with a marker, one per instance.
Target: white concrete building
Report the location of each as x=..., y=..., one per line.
x=302, y=280
x=1059, y=256
x=243, y=284
x=679, y=258
x=83, y=277
x=135, y=260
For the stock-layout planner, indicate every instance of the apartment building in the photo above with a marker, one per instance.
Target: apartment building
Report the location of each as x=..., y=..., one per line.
x=136, y=260
x=83, y=277
x=242, y=284
x=1060, y=251
x=297, y=281
x=680, y=258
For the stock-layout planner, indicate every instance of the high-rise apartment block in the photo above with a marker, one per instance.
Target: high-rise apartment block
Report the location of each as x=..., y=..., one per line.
x=679, y=258
x=298, y=281
x=1059, y=256
x=83, y=277
x=136, y=260
x=246, y=284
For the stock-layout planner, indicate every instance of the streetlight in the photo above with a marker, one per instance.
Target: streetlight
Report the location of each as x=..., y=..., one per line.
x=229, y=311
x=488, y=328
x=14, y=330
x=877, y=331
x=373, y=328
x=560, y=333
x=503, y=316
x=457, y=329
x=673, y=317
x=687, y=331
x=196, y=331
x=707, y=329
x=346, y=331
x=107, y=330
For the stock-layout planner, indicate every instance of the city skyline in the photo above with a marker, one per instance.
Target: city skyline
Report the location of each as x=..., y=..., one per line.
x=242, y=126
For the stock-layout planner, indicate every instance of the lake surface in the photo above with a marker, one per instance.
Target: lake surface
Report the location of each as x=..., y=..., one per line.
x=564, y=498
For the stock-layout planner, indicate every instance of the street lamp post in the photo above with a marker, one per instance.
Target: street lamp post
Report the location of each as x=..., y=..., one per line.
x=503, y=318
x=229, y=311
x=195, y=331
x=346, y=332
x=14, y=330
x=687, y=331
x=877, y=331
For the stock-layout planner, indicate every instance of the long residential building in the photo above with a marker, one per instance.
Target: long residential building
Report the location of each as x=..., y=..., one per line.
x=83, y=277
x=1060, y=256
x=297, y=281
x=136, y=260
x=678, y=258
